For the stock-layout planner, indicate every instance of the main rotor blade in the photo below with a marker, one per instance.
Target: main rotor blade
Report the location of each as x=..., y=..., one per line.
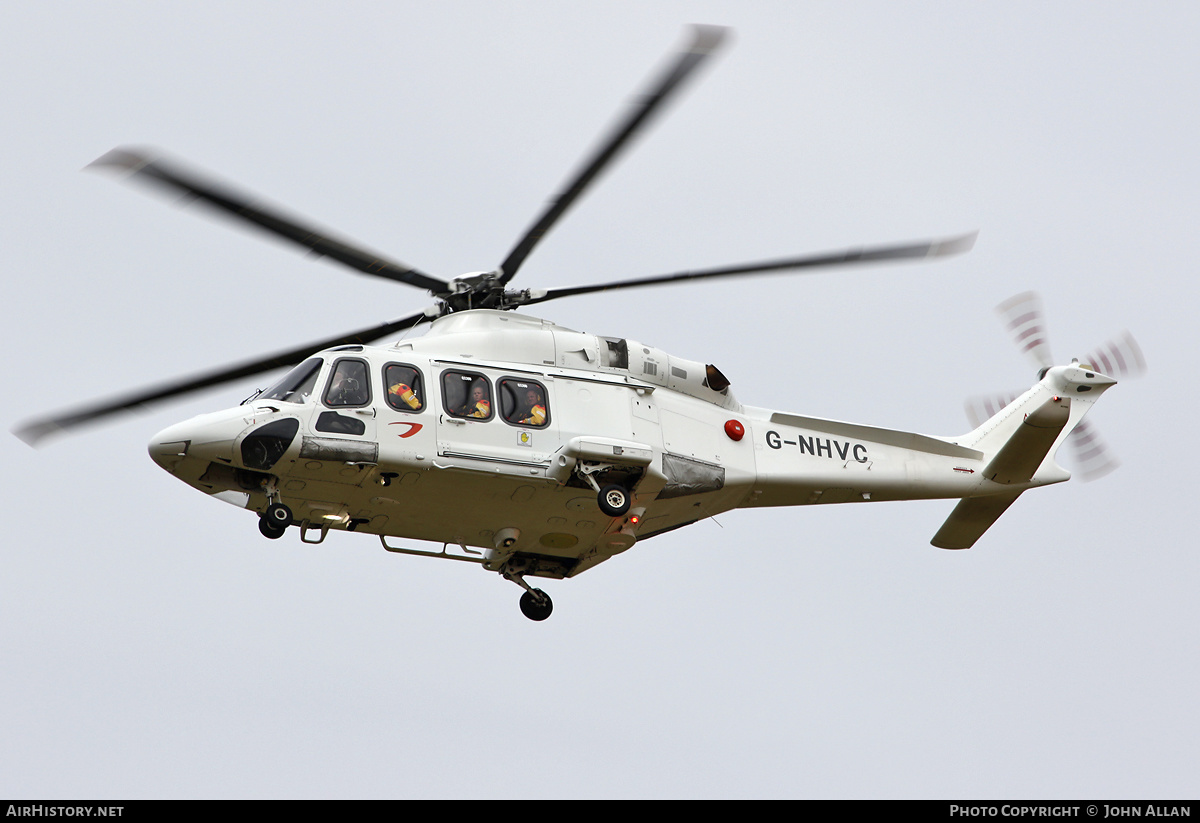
x=876, y=254
x=236, y=204
x=705, y=40
x=35, y=430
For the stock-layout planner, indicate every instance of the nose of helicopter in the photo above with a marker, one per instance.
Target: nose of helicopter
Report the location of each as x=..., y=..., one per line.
x=206, y=437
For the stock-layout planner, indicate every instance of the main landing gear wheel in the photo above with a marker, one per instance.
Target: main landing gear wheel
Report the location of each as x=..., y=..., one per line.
x=269, y=529
x=278, y=515
x=613, y=500
x=536, y=605
x=275, y=521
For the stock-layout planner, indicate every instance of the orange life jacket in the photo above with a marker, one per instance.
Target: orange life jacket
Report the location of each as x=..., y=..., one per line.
x=406, y=394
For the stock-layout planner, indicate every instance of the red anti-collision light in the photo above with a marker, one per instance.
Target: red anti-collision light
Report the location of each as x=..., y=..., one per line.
x=734, y=429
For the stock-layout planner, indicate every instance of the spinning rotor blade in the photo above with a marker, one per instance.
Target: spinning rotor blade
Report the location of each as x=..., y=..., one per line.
x=1023, y=318
x=911, y=251
x=705, y=40
x=35, y=430
x=1022, y=315
x=1119, y=357
x=193, y=185
x=983, y=408
x=1091, y=454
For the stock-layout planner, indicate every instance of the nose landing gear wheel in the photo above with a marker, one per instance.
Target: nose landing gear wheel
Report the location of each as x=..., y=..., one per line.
x=613, y=500
x=536, y=605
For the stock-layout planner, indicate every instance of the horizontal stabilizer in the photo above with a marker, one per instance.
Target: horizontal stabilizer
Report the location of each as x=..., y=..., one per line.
x=970, y=519
x=888, y=437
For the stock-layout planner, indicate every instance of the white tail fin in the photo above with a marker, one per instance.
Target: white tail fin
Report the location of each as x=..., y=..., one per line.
x=1013, y=464
x=1018, y=443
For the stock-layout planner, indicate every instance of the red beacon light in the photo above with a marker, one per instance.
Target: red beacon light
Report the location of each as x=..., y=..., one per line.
x=735, y=430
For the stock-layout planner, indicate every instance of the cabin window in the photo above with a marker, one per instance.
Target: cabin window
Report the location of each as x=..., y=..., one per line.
x=403, y=387
x=523, y=403
x=297, y=385
x=349, y=385
x=466, y=394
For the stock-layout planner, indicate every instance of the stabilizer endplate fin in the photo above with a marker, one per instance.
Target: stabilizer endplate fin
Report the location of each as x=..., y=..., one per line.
x=971, y=518
x=1018, y=459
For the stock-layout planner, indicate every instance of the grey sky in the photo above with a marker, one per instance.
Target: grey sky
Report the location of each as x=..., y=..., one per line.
x=155, y=645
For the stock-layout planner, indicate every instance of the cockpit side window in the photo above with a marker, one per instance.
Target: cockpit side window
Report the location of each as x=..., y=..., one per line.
x=297, y=385
x=465, y=394
x=405, y=389
x=349, y=384
x=523, y=403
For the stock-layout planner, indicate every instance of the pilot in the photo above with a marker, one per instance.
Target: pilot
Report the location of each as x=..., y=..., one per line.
x=479, y=405
x=404, y=394
x=536, y=415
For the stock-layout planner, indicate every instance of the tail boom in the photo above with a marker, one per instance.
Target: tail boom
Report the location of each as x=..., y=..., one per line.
x=805, y=460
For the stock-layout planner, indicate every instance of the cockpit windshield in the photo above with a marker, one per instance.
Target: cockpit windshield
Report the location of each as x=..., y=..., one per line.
x=297, y=385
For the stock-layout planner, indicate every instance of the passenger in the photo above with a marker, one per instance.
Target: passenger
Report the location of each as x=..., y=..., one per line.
x=536, y=414
x=479, y=405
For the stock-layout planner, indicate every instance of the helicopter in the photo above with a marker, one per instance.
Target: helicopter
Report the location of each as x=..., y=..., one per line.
x=538, y=451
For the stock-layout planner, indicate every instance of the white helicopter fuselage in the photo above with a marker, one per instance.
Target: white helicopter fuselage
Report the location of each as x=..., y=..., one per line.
x=495, y=483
